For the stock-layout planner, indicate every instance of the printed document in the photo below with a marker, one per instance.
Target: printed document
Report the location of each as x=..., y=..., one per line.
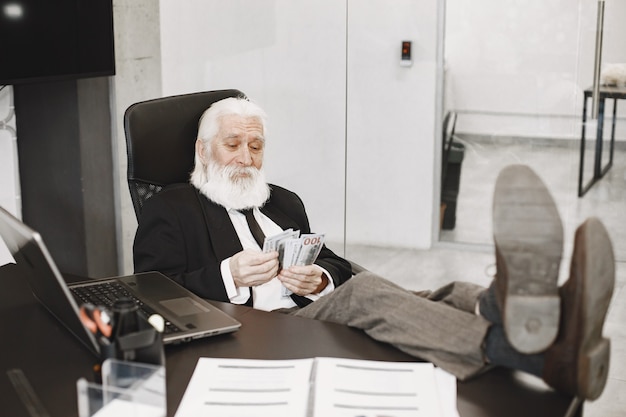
x=241, y=387
x=348, y=388
x=318, y=387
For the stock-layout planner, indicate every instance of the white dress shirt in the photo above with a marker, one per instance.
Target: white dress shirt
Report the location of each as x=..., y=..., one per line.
x=268, y=296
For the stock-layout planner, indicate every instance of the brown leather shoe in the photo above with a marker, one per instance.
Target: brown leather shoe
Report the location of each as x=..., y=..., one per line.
x=578, y=362
x=528, y=237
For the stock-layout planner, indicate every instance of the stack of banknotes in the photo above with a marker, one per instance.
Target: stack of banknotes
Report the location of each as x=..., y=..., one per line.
x=294, y=249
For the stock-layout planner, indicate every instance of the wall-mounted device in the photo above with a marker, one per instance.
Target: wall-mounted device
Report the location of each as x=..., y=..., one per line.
x=405, y=57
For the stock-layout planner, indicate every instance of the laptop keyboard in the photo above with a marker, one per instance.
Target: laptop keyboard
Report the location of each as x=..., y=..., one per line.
x=105, y=294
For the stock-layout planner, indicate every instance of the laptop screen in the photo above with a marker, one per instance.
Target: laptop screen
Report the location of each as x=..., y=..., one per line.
x=34, y=261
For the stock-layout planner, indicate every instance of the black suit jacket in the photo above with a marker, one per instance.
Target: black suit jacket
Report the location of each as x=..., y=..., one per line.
x=185, y=236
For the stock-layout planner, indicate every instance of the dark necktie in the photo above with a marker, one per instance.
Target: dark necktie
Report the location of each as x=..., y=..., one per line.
x=259, y=236
x=254, y=227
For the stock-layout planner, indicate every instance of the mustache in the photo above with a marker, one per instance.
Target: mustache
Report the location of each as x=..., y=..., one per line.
x=235, y=173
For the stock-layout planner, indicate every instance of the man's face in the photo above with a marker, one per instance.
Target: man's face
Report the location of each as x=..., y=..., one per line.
x=239, y=143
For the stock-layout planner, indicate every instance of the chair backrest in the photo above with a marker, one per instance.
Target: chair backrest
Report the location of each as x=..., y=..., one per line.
x=160, y=141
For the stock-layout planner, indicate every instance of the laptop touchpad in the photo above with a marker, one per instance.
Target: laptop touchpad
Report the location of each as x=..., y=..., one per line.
x=184, y=306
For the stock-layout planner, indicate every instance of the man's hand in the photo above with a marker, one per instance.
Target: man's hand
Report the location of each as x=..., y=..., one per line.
x=250, y=268
x=303, y=280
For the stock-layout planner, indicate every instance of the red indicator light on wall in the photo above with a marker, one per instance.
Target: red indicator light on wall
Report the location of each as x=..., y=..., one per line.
x=405, y=58
x=406, y=50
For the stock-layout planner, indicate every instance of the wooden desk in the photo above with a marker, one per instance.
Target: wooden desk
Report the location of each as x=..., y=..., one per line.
x=606, y=92
x=53, y=360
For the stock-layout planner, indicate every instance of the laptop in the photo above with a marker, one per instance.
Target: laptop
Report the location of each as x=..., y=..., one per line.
x=187, y=315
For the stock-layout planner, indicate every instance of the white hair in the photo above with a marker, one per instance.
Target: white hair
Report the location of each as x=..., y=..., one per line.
x=220, y=183
x=209, y=126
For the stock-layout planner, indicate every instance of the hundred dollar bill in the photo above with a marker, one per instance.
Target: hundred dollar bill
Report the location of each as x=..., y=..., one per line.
x=292, y=247
x=283, y=243
x=277, y=243
x=301, y=251
x=309, y=247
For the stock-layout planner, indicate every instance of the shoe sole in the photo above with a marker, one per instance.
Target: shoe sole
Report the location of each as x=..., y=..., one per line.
x=596, y=263
x=528, y=235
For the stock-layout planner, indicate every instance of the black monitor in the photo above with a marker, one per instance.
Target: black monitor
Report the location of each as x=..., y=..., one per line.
x=48, y=40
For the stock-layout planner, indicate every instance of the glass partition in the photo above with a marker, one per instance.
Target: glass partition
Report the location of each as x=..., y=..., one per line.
x=516, y=75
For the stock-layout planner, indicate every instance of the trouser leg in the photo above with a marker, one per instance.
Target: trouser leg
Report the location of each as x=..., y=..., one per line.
x=443, y=330
x=460, y=295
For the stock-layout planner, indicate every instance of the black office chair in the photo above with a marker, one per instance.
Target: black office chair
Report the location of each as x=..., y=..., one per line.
x=160, y=142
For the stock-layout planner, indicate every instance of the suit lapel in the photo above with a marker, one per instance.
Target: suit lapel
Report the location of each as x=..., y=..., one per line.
x=222, y=234
x=278, y=216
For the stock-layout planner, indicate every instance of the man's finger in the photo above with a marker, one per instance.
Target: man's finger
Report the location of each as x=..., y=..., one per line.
x=259, y=258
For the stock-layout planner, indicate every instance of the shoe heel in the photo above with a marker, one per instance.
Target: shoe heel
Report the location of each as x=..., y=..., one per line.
x=593, y=370
x=532, y=322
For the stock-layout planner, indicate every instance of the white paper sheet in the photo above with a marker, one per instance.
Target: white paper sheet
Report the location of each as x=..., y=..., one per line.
x=349, y=388
x=240, y=387
x=319, y=387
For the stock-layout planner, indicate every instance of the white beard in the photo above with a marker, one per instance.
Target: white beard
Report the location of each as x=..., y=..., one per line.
x=235, y=188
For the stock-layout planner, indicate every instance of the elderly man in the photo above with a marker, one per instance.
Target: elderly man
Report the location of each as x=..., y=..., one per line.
x=206, y=235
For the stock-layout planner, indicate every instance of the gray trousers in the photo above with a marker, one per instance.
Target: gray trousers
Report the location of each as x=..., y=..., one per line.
x=440, y=327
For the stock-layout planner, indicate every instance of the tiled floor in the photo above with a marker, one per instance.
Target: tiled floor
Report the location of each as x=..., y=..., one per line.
x=473, y=260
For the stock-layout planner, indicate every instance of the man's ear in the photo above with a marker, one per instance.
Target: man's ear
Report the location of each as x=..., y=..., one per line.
x=200, y=151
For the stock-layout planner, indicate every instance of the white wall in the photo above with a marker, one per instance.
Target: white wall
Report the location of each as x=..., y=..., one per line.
x=391, y=123
x=289, y=57
x=306, y=62
x=519, y=68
